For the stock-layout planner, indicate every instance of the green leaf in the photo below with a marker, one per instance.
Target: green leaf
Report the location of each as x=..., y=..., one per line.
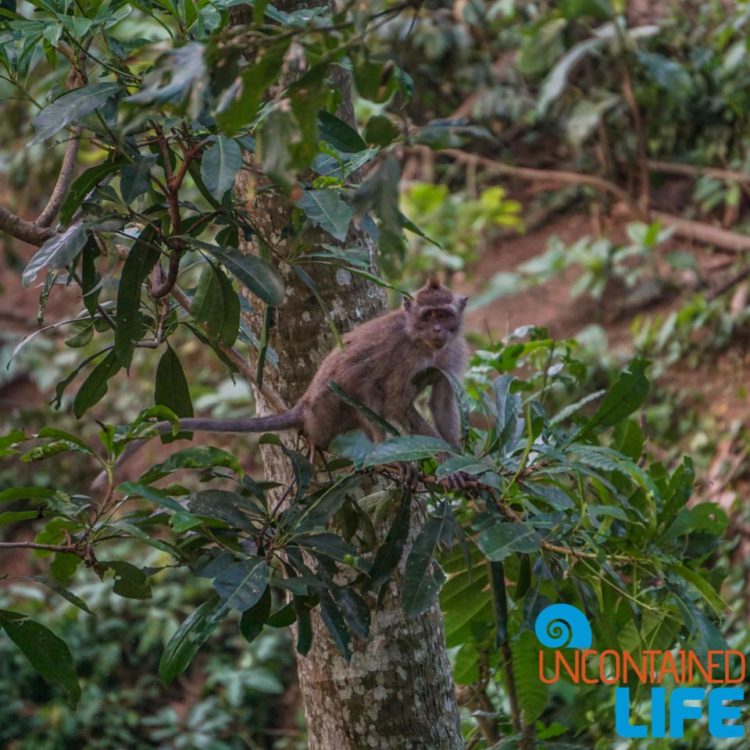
x=407, y=448
x=94, y=387
x=380, y=131
x=171, y=390
x=221, y=504
x=423, y=577
x=57, y=252
x=255, y=80
x=216, y=304
x=255, y=617
x=327, y=210
x=135, y=179
x=703, y=587
x=531, y=691
x=334, y=621
x=339, y=134
x=72, y=107
x=503, y=539
x=220, y=164
x=355, y=610
x=48, y=654
x=69, y=596
x=242, y=584
x=380, y=194
x=129, y=321
x=259, y=276
x=626, y=395
x=384, y=425
x=84, y=184
x=130, y=581
x=188, y=638
x=389, y=553
x=25, y=493
x=150, y=493
x=200, y=457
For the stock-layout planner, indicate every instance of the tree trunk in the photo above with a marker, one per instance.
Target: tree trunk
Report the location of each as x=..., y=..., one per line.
x=397, y=690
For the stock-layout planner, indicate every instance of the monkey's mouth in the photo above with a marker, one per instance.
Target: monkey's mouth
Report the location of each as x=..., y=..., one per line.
x=436, y=343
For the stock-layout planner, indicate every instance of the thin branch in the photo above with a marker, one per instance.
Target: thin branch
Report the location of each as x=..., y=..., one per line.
x=33, y=545
x=268, y=392
x=64, y=180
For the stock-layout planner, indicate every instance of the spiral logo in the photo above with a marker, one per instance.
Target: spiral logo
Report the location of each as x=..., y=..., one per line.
x=563, y=626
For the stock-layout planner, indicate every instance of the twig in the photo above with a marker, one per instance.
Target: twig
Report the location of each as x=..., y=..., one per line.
x=33, y=545
x=728, y=284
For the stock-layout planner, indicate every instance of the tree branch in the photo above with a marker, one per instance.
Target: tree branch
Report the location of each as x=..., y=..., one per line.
x=26, y=231
x=33, y=545
x=64, y=179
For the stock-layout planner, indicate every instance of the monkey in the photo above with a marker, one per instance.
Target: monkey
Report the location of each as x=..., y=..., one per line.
x=377, y=366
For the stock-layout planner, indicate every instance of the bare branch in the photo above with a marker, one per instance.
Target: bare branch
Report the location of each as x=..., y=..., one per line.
x=25, y=231
x=33, y=545
x=64, y=179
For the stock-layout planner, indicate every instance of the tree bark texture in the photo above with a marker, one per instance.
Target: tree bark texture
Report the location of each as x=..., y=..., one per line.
x=397, y=691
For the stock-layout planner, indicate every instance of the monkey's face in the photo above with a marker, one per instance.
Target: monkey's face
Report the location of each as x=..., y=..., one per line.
x=436, y=326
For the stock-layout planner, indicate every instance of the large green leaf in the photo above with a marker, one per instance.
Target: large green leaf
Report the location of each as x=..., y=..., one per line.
x=243, y=583
x=216, y=304
x=255, y=273
x=389, y=552
x=220, y=164
x=129, y=321
x=503, y=539
x=57, y=252
x=84, y=184
x=95, y=386
x=531, y=691
x=334, y=621
x=130, y=581
x=72, y=107
x=339, y=134
x=423, y=577
x=48, y=654
x=189, y=637
x=327, y=210
x=626, y=395
x=239, y=111
x=171, y=390
x=407, y=448
x=255, y=617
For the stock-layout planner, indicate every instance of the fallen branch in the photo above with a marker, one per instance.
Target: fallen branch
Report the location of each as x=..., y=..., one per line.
x=729, y=175
x=550, y=175
x=706, y=234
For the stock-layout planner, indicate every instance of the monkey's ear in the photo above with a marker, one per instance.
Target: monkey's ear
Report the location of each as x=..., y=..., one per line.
x=461, y=301
x=407, y=303
x=433, y=282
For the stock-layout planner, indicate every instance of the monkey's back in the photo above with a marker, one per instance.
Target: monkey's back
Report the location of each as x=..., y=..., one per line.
x=376, y=366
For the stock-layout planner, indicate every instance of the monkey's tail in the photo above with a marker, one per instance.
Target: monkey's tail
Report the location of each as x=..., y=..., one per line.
x=288, y=420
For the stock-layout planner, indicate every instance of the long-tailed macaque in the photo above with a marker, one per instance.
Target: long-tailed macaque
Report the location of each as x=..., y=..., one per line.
x=378, y=367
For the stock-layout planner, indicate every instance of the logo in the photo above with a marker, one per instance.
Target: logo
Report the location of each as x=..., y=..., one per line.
x=566, y=630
